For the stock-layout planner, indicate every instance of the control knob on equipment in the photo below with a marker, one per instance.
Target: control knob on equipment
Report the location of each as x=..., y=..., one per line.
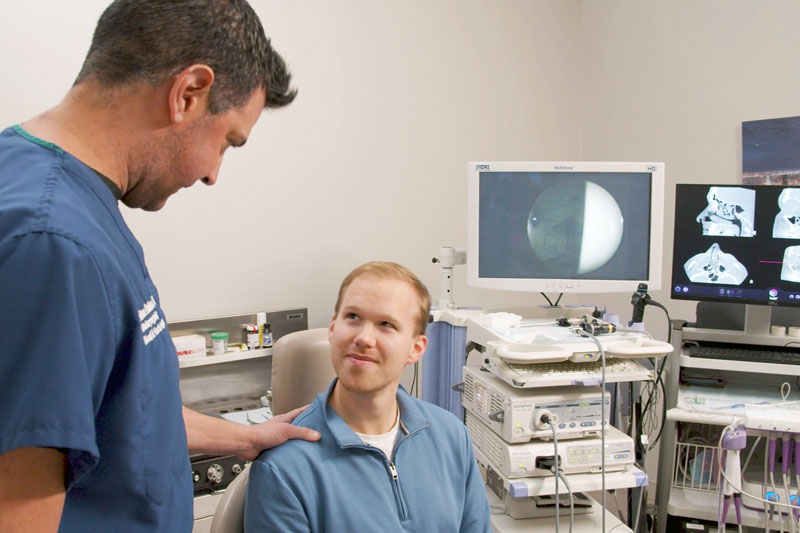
x=236, y=469
x=195, y=476
x=214, y=473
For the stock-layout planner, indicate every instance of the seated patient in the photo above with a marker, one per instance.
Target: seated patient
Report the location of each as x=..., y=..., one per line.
x=386, y=461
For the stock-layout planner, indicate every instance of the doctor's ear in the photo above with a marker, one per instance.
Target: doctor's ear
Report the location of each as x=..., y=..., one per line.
x=189, y=92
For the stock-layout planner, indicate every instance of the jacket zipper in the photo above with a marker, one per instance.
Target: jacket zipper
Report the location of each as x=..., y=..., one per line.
x=398, y=493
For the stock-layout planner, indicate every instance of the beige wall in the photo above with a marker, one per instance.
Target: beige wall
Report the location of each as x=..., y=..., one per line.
x=395, y=97
x=367, y=163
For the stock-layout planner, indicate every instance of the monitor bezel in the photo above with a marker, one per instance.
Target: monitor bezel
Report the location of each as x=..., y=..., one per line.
x=567, y=285
x=694, y=297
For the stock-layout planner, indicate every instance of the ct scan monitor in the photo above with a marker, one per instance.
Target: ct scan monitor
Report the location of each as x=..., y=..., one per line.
x=737, y=244
x=565, y=226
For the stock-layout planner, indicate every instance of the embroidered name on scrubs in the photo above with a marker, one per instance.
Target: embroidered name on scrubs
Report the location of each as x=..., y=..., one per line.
x=151, y=322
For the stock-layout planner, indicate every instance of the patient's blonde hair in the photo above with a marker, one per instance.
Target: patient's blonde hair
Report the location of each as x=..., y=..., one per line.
x=387, y=269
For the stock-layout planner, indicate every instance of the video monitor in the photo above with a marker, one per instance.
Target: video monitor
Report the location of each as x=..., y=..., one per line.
x=737, y=244
x=582, y=227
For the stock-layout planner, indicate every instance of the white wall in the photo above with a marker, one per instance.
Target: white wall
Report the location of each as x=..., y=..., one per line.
x=367, y=163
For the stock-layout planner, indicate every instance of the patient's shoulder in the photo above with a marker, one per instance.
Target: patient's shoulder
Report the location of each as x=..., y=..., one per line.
x=298, y=450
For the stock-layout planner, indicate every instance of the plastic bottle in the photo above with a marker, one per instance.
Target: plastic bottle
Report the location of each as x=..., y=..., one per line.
x=219, y=342
x=261, y=319
x=267, y=342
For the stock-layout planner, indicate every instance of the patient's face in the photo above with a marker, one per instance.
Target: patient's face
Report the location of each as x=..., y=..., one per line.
x=373, y=336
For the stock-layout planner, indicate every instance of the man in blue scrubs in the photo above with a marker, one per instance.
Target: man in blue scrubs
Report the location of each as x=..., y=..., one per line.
x=386, y=462
x=93, y=436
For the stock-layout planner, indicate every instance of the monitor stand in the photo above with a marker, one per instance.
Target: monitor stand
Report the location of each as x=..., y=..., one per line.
x=757, y=323
x=757, y=319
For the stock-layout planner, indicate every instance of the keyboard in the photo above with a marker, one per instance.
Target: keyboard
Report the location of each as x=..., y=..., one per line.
x=737, y=352
x=567, y=373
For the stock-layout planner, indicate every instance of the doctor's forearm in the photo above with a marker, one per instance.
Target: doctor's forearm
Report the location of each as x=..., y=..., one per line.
x=215, y=436
x=32, y=489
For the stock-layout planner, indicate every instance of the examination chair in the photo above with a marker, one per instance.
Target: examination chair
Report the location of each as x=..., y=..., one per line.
x=301, y=369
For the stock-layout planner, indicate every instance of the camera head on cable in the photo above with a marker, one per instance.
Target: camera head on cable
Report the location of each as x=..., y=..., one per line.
x=639, y=300
x=596, y=327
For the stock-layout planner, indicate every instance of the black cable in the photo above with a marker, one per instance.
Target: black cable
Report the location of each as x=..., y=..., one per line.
x=658, y=380
x=548, y=299
x=558, y=300
x=556, y=466
x=660, y=371
x=663, y=416
x=669, y=321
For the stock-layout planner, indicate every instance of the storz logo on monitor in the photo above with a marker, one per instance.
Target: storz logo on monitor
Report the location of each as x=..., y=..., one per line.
x=482, y=167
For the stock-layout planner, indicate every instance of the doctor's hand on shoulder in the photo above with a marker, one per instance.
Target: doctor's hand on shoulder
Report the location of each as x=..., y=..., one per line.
x=215, y=436
x=275, y=432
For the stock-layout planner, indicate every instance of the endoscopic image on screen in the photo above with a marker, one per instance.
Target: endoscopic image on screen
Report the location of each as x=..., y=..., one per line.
x=564, y=225
x=729, y=213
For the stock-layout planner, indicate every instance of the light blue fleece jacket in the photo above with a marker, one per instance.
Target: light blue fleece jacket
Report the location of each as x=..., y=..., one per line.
x=340, y=484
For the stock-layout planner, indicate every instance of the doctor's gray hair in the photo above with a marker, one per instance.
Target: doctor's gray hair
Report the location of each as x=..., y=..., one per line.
x=147, y=41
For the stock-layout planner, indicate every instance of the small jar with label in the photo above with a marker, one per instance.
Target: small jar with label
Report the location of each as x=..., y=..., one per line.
x=219, y=342
x=250, y=334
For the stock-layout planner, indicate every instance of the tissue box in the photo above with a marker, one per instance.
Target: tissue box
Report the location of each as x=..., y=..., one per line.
x=190, y=346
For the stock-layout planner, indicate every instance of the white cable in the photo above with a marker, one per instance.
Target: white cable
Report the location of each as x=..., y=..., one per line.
x=638, y=510
x=750, y=455
x=602, y=424
x=616, y=502
x=560, y=474
x=788, y=499
x=556, y=466
x=721, y=521
x=795, y=440
x=767, y=508
x=788, y=387
x=775, y=492
x=787, y=476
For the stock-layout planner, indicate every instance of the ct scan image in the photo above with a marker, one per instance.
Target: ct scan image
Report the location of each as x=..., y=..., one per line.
x=729, y=212
x=790, y=270
x=787, y=221
x=715, y=266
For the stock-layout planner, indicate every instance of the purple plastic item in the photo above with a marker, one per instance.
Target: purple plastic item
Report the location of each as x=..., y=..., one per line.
x=771, y=453
x=786, y=458
x=726, y=505
x=735, y=440
x=797, y=456
x=737, y=502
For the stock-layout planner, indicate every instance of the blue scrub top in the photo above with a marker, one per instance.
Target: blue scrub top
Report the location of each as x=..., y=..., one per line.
x=86, y=362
